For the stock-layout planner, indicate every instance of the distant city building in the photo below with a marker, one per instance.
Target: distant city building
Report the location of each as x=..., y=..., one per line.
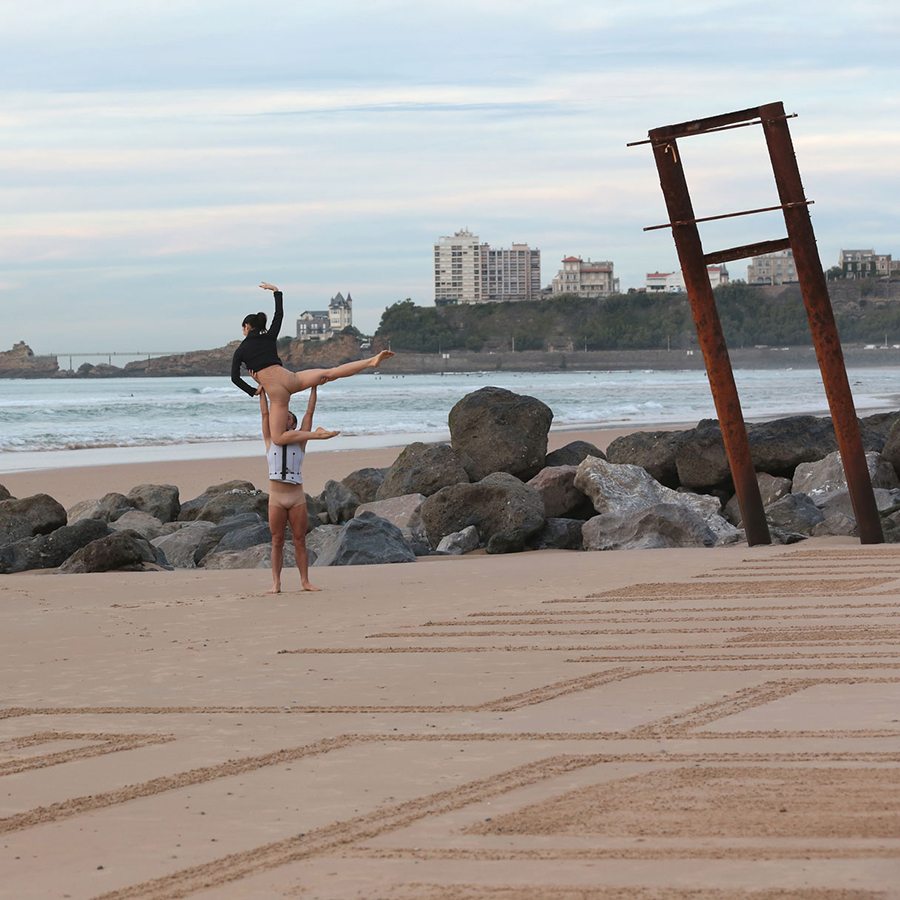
x=865, y=263
x=319, y=324
x=772, y=268
x=586, y=278
x=467, y=271
x=673, y=282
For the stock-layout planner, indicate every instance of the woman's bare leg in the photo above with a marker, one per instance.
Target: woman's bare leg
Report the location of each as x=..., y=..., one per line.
x=278, y=517
x=309, y=377
x=298, y=518
x=278, y=422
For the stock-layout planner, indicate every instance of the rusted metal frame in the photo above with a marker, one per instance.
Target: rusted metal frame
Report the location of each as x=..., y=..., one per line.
x=677, y=135
x=821, y=323
x=712, y=341
x=746, y=212
x=748, y=250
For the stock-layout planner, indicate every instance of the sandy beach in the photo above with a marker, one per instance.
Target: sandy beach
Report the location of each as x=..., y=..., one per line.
x=677, y=724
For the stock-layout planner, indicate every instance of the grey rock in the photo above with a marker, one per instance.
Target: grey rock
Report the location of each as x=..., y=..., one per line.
x=224, y=505
x=794, y=512
x=142, y=522
x=209, y=542
x=5, y=494
x=835, y=524
x=505, y=511
x=891, y=449
x=460, y=542
x=108, y=508
x=366, y=540
x=403, y=511
x=180, y=547
x=39, y=514
x=700, y=458
x=257, y=557
x=661, y=525
x=654, y=451
x=244, y=538
x=827, y=475
x=559, y=534
x=422, y=469
x=192, y=508
x=496, y=430
x=160, y=500
x=340, y=502
x=119, y=550
x=47, y=551
x=572, y=454
x=875, y=429
x=840, y=501
x=365, y=482
x=771, y=488
x=556, y=485
x=321, y=540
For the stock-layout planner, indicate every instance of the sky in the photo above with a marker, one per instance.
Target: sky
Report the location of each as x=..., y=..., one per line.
x=159, y=159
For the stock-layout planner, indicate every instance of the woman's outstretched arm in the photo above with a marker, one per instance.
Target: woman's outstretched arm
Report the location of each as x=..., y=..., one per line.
x=278, y=318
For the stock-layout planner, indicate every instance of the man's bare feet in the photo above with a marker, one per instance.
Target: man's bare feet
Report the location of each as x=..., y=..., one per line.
x=306, y=586
x=275, y=590
x=380, y=358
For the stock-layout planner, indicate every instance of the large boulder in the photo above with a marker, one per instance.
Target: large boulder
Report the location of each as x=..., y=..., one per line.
x=120, y=550
x=339, y=501
x=460, y=542
x=192, y=508
x=246, y=524
x=891, y=449
x=556, y=485
x=367, y=540
x=827, y=475
x=841, y=502
x=257, y=557
x=771, y=488
x=496, y=430
x=422, y=469
x=794, y=512
x=657, y=526
x=654, y=451
x=365, y=482
x=108, y=508
x=626, y=490
x=160, y=500
x=142, y=522
x=558, y=534
x=505, y=511
x=573, y=453
x=700, y=458
x=5, y=494
x=876, y=428
x=39, y=514
x=47, y=551
x=224, y=505
x=180, y=547
x=404, y=512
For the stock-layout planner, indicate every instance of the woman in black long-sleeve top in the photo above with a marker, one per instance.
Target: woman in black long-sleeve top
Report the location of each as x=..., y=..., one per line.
x=259, y=352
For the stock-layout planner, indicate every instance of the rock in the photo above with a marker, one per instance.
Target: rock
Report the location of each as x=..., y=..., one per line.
x=340, y=502
x=505, y=512
x=367, y=539
x=211, y=538
x=20, y=362
x=143, y=523
x=700, y=459
x=891, y=450
x=5, y=494
x=661, y=525
x=365, y=483
x=460, y=542
x=827, y=475
x=572, y=454
x=119, y=550
x=108, y=508
x=322, y=540
x=316, y=512
x=625, y=489
x=558, y=534
x=840, y=501
x=422, y=469
x=256, y=557
x=47, y=551
x=556, y=485
x=403, y=511
x=794, y=512
x=181, y=546
x=835, y=524
x=495, y=430
x=771, y=488
x=876, y=428
x=39, y=514
x=192, y=509
x=224, y=505
x=654, y=451
x=246, y=537
x=160, y=500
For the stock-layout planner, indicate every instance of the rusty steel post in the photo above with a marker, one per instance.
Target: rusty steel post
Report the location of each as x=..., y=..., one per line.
x=709, y=332
x=821, y=321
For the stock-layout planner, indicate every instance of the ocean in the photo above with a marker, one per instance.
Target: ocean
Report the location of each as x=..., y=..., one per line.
x=48, y=423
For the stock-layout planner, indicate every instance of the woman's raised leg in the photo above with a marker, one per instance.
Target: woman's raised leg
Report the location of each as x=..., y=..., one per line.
x=278, y=422
x=309, y=377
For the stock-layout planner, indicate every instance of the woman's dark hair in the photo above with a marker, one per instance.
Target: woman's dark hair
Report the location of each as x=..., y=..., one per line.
x=257, y=321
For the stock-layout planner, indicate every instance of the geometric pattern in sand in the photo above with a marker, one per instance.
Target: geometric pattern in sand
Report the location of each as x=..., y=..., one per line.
x=730, y=731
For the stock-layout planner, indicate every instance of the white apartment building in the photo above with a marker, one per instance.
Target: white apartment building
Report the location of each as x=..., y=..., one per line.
x=319, y=324
x=673, y=282
x=340, y=312
x=772, y=268
x=586, y=278
x=467, y=271
x=457, y=269
x=864, y=263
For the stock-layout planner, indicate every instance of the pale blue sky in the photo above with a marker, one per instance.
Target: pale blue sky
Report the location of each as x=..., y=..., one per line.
x=159, y=159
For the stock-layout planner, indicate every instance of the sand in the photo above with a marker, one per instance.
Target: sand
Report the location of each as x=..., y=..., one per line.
x=654, y=725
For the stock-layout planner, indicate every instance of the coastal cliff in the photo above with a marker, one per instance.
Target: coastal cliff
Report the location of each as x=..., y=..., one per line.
x=20, y=362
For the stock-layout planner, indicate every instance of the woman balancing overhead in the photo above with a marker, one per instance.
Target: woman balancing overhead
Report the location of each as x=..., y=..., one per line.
x=259, y=352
